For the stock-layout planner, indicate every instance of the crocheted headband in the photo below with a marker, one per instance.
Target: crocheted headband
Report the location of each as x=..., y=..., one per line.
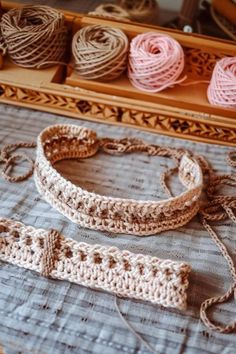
x=126, y=274
x=106, y=213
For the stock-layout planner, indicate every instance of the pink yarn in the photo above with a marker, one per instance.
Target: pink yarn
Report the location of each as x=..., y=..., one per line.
x=155, y=62
x=222, y=88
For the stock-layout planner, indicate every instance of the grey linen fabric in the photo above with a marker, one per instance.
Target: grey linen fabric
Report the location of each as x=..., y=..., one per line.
x=39, y=315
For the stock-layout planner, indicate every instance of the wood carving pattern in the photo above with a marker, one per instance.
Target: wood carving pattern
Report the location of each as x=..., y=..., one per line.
x=201, y=63
x=160, y=123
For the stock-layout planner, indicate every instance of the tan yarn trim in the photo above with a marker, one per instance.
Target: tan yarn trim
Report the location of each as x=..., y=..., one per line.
x=49, y=255
x=232, y=158
x=123, y=273
x=106, y=213
x=223, y=298
x=220, y=207
x=10, y=159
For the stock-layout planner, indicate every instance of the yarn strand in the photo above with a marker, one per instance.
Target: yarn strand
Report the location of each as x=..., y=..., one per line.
x=223, y=298
x=132, y=330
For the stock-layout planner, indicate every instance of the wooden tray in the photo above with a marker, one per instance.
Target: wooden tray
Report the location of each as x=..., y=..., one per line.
x=182, y=111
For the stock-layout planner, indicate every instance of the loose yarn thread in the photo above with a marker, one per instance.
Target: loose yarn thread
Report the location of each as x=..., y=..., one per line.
x=34, y=36
x=222, y=88
x=100, y=52
x=155, y=62
x=132, y=330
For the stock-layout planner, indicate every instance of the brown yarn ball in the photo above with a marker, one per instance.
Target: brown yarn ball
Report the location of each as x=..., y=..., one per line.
x=100, y=52
x=34, y=36
x=140, y=10
x=110, y=11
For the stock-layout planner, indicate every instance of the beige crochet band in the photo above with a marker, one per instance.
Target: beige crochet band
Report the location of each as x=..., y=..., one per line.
x=123, y=273
x=98, y=212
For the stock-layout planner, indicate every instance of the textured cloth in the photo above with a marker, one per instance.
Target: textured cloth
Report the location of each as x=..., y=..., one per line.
x=39, y=315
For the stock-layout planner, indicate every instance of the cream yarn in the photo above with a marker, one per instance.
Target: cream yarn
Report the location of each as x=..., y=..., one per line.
x=137, y=276
x=98, y=212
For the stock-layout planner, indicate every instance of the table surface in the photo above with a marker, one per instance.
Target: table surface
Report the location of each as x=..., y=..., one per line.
x=39, y=315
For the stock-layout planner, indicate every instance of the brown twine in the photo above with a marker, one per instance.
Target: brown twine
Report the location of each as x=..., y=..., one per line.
x=34, y=36
x=140, y=10
x=110, y=11
x=51, y=244
x=100, y=52
x=9, y=159
x=218, y=207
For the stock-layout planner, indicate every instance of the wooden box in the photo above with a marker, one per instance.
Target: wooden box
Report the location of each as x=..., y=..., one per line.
x=182, y=111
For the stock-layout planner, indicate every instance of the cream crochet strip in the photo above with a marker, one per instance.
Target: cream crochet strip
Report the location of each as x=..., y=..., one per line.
x=98, y=212
x=126, y=274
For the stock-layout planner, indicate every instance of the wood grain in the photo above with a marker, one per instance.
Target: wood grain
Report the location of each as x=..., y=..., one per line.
x=182, y=111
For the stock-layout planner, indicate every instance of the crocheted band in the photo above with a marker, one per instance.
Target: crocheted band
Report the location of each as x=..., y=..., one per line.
x=126, y=274
x=98, y=212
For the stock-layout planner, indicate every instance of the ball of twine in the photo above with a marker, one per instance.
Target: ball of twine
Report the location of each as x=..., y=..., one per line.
x=110, y=11
x=100, y=52
x=34, y=36
x=222, y=88
x=155, y=62
x=140, y=10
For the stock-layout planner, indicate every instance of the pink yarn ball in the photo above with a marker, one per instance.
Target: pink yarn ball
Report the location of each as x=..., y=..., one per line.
x=155, y=62
x=222, y=88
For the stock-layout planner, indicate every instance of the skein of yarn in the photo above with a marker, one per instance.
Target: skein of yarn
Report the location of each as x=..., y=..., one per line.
x=100, y=52
x=140, y=10
x=110, y=11
x=34, y=36
x=155, y=62
x=222, y=88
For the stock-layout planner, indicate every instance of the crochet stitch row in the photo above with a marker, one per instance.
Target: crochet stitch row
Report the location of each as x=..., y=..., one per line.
x=126, y=274
x=98, y=212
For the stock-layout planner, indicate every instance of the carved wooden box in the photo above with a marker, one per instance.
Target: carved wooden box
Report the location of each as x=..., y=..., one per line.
x=182, y=111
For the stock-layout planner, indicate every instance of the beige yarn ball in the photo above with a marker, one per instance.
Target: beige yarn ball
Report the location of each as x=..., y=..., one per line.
x=100, y=52
x=110, y=11
x=140, y=10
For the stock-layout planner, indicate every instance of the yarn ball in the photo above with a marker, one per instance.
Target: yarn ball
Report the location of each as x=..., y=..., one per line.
x=155, y=62
x=140, y=10
x=100, y=52
x=34, y=36
x=110, y=11
x=222, y=88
